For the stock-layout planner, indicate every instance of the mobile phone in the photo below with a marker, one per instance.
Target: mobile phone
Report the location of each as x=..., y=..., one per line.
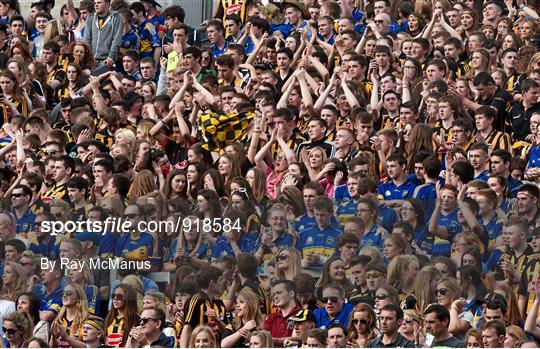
x=429, y=339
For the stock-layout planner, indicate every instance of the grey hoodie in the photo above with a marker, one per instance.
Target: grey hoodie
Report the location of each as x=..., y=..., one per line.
x=106, y=41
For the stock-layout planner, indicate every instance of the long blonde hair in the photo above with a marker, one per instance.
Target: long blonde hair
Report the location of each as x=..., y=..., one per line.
x=295, y=264
x=396, y=275
x=81, y=309
x=253, y=309
x=18, y=285
x=180, y=241
x=197, y=331
x=52, y=30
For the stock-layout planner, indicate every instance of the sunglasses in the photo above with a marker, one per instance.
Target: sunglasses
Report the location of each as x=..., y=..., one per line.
x=17, y=195
x=359, y=321
x=67, y=293
x=10, y=331
x=408, y=321
x=441, y=291
x=51, y=152
x=144, y=320
x=331, y=299
x=381, y=296
x=282, y=257
x=24, y=264
x=118, y=296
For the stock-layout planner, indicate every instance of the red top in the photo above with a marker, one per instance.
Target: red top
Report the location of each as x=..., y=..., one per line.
x=278, y=325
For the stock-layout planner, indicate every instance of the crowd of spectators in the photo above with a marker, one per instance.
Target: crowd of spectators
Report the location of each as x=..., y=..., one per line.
x=319, y=173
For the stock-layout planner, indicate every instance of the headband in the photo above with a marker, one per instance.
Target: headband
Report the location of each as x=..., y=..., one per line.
x=94, y=324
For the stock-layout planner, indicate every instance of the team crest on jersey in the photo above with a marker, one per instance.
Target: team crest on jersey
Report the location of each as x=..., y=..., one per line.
x=330, y=240
x=388, y=193
x=309, y=240
x=150, y=27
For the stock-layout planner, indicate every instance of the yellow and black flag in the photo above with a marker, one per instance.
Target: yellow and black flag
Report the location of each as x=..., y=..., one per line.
x=218, y=130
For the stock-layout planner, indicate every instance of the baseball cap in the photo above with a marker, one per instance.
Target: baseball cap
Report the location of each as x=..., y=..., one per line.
x=303, y=315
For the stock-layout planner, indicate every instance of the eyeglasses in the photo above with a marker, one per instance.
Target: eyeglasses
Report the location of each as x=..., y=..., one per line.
x=441, y=291
x=10, y=331
x=144, y=320
x=331, y=299
x=282, y=257
x=118, y=296
x=359, y=321
x=378, y=21
x=17, y=195
x=68, y=293
x=381, y=296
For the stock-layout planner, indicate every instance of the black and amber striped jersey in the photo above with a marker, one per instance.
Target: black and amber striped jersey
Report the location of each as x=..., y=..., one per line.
x=115, y=333
x=195, y=311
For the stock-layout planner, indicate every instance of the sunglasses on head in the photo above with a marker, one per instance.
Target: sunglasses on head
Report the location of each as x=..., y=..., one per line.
x=118, y=296
x=10, y=331
x=381, y=296
x=331, y=299
x=359, y=321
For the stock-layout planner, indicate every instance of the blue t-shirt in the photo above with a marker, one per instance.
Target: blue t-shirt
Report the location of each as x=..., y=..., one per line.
x=324, y=321
x=246, y=243
x=390, y=191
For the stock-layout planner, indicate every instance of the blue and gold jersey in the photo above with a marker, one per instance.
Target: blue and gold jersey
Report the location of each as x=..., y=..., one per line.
x=390, y=191
x=346, y=209
x=49, y=302
x=322, y=242
x=49, y=249
x=285, y=240
x=246, y=242
x=145, y=248
x=375, y=237
x=149, y=39
x=131, y=40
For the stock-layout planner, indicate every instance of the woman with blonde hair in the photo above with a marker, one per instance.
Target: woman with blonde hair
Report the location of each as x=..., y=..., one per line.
x=394, y=246
x=14, y=280
x=526, y=29
x=288, y=263
x=402, y=271
x=362, y=324
x=514, y=334
x=473, y=338
x=202, y=337
x=143, y=184
x=247, y=317
x=67, y=327
x=411, y=327
x=127, y=137
x=148, y=91
x=422, y=289
x=479, y=62
x=52, y=30
x=19, y=326
x=447, y=291
x=293, y=199
x=314, y=160
x=190, y=246
x=261, y=339
x=460, y=243
x=83, y=277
